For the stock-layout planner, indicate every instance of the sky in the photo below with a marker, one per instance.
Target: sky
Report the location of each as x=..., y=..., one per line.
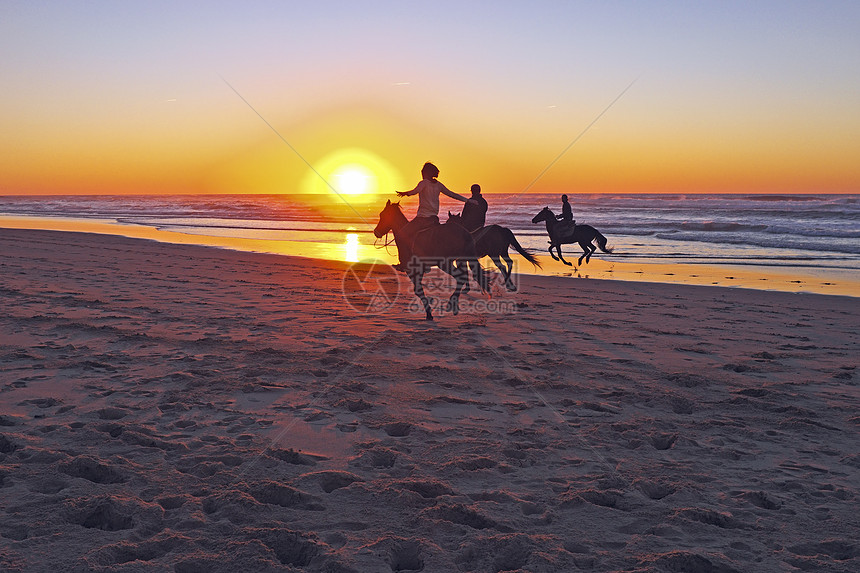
x=539, y=96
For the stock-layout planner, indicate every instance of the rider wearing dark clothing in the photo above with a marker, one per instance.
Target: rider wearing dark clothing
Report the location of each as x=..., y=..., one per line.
x=566, y=213
x=475, y=214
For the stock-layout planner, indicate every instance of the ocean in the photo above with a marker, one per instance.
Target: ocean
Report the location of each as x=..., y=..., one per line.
x=813, y=237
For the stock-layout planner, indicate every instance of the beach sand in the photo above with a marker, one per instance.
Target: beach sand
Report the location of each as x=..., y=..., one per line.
x=191, y=409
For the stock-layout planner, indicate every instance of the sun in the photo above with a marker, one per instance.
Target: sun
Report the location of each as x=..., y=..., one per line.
x=355, y=173
x=353, y=180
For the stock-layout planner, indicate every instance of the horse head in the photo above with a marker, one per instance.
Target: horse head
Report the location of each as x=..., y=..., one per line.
x=390, y=218
x=544, y=215
x=454, y=218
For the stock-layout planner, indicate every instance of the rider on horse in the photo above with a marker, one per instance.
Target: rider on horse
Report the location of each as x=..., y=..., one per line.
x=566, y=218
x=428, y=190
x=474, y=215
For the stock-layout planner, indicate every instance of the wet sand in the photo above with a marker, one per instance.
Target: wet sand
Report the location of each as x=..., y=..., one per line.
x=183, y=408
x=361, y=247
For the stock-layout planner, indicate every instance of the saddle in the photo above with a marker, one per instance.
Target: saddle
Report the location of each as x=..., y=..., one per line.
x=566, y=230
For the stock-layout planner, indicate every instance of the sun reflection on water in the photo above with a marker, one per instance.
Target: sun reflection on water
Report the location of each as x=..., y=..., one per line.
x=351, y=247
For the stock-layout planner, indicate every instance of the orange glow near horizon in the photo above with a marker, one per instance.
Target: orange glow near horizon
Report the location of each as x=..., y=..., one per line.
x=361, y=152
x=383, y=149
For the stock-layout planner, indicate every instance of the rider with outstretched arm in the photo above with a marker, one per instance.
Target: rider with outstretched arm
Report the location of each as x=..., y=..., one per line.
x=428, y=190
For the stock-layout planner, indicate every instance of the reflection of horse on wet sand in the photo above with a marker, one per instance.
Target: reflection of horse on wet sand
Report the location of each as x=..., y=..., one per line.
x=449, y=247
x=494, y=241
x=559, y=234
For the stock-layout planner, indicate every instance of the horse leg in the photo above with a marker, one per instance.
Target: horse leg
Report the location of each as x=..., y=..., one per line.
x=586, y=253
x=510, y=262
x=419, y=292
x=511, y=286
x=560, y=256
x=554, y=246
x=506, y=271
x=589, y=250
x=502, y=269
x=462, y=277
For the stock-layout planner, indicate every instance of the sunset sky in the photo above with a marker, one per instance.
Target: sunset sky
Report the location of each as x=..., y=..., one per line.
x=135, y=97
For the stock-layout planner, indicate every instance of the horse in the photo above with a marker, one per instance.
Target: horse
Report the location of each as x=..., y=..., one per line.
x=493, y=241
x=449, y=247
x=560, y=235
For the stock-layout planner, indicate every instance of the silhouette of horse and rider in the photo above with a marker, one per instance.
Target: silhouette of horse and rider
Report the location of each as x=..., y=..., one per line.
x=561, y=233
x=455, y=246
x=423, y=243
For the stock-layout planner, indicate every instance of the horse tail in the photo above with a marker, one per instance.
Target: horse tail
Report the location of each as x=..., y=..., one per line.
x=601, y=242
x=526, y=254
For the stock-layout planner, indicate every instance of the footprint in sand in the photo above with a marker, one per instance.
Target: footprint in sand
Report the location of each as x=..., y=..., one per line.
x=332, y=480
x=111, y=413
x=92, y=470
x=719, y=519
x=838, y=549
x=110, y=513
x=663, y=441
x=844, y=373
x=461, y=515
x=290, y=547
x=291, y=456
x=761, y=499
x=376, y=457
x=274, y=493
x=397, y=429
x=654, y=490
x=144, y=551
x=406, y=556
x=428, y=489
x=686, y=561
x=172, y=501
x=7, y=446
x=603, y=498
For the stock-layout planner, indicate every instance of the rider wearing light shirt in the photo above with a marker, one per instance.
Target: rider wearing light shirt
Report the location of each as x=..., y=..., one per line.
x=428, y=190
